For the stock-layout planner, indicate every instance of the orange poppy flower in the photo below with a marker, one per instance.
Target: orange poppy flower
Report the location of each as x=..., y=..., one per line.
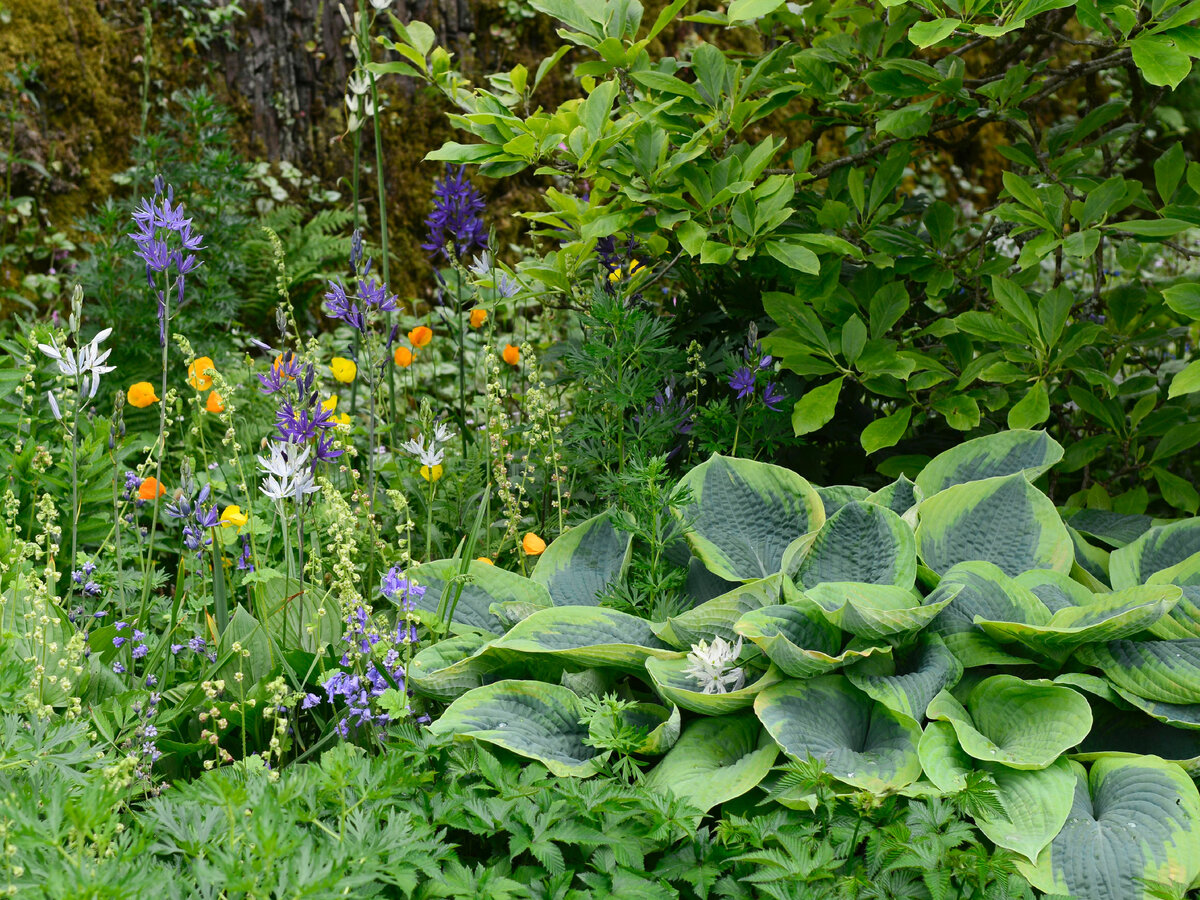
x=196, y=376
x=141, y=394
x=403, y=357
x=150, y=488
x=533, y=545
x=420, y=336
x=280, y=361
x=214, y=404
x=484, y=560
x=478, y=317
x=511, y=355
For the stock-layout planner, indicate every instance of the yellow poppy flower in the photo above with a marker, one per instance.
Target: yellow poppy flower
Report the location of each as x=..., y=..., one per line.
x=141, y=394
x=478, y=317
x=533, y=545
x=214, y=404
x=233, y=515
x=511, y=355
x=196, y=373
x=420, y=336
x=344, y=369
x=431, y=474
x=403, y=357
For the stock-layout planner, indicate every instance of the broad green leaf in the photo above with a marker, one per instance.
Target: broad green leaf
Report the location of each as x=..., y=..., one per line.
x=676, y=686
x=717, y=617
x=799, y=639
x=900, y=496
x=1166, y=671
x=1016, y=723
x=450, y=668
x=835, y=496
x=926, y=34
x=715, y=760
x=794, y=256
x=483, y=586
x=886, y=432
x=584, y=636
x=1003, y=520
x=1004, y=453
x=1184, y=298
x=907, y=681
x=1132, y=823
x=879, y=611
x=861, y=742
x=861, y=542
x=256, y=660
x=1183, y=619
x=943, y=761
x=816, y=408
x=745, y=514
x=536, y=720
x=298, y=617
x=581, y=562
x=1187, y=381
x=746, y=10
x=1161, y=62
x=1157, y=549
x=1178, y=715
x=1056, y=590
x=1032, y=409
x=986, y=592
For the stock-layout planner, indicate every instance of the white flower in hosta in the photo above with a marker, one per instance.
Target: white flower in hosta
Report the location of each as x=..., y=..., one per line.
x=288, y=476
x=711, y=665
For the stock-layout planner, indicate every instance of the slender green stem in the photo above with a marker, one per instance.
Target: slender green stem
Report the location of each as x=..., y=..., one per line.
x=462, y=361
x=75, y=473
x=161, y=446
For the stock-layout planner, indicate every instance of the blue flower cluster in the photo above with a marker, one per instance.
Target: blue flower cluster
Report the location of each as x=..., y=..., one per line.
x=744, y=380
x=165, y=241
x=199, y=518
x=372, y=295
x=455, y=224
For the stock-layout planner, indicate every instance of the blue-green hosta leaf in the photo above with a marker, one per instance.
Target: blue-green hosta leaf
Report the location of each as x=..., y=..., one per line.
x=715, y=760
x=800, y=640
x=1121, y=733
x=861, y=742
x=745, y=515
x=879, y=611
x=450, y=668
x=580, y=563
x=537, y=720
x=988, y=593
x=1004, y=520
x=1159, y=548
x=943, y=761
x=1029, y=453
x=676, y=686
x=1178, y=715
x=1166, y=671
x=1133, y=822
x=661, y=724
x=900, y=496
x=1114, y=529
x=1091, y=563
x=1016, y=723
x=702, y=585
x=907, y=681
x=586, y=636
x=836, y=496
x=1054, y=589
x=1183, y=620
x=484, y=586
x=861, y=542
x=1107, y=617
x=717, y=617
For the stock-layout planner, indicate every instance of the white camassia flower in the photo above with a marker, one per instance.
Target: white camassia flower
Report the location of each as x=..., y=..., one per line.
x=433, y=454
x=88, y=366
x=710, y=665
x=288, y=476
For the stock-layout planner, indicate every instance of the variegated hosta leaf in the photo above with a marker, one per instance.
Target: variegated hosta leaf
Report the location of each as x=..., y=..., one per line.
x=836, y=496
x=1159, y=548
x=1016, y=723
x=662, y=726
x=1005, y=520
x=702, y=585
x=537, y=720
x=483, y=586
x=1107, y=617
x=1167, y=671
x=985, y=592
x=1036, y=802
x=587, y=636
x=1091, y=563
x=879, y=611
x=714, y=761
x=861, y=742
x=1121, y=733
x=579, y=564
x=745, y=515
x=861, y=542
x=1111, y=528
x=1183, y=619
x=1054, y=589
x=1179, y=715
x=907, y=680
x=1133, y=824
x=900, y=496
x=675, y=685
x=450, y=667
x=799, y=639
x=717, y=617
x=1029, y=453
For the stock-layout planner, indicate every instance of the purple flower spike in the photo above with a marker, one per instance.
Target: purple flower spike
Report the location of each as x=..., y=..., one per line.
x=456, y=217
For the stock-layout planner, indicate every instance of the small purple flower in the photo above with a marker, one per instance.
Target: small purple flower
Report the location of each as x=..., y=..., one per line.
x=310, y=700
x=118, y=668
x=140, y=651
x=92, y=589
x=197, y=644
x=772, y=397
x=175, y=648
x=455, y=221
x=742, y=381
x=118, y=641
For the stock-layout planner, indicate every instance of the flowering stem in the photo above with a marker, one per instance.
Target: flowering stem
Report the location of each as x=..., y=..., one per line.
x=162, y=446
x=75, y=472
x=220, y=598
x=737, y=429
x=462, y=361
x=429, y=521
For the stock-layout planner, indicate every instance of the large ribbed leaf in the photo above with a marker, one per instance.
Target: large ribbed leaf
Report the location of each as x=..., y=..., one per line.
x=1159, y=548
x=450, y=667
x=675, y=685
x=1107, y=617
x=717, y=617
x=702, y=585
x=861, y=542
x=1123, y=733
x=1114, y=529
x=586, y=636
x=1016, y=723
x=1133, y=823
x=1054, y=589
x=1178, y=715
x=900, y=496
x=1036, y=802
x=835, y=496
x=1183, y=619
x=907, y=680
x=582, y=562
x=1167, y=671
x=1029, y=453
x=661, y=725
x=483, y=586
x=714, y=761
x=1091, y=562
x=531, y=718
x=987, y=593
x=1005, y=520
x=861, y=742
x=799, y=639
x=745, y=515
x=879, y=611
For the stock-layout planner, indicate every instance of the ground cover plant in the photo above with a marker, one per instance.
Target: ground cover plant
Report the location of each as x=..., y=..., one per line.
x=786, y=508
